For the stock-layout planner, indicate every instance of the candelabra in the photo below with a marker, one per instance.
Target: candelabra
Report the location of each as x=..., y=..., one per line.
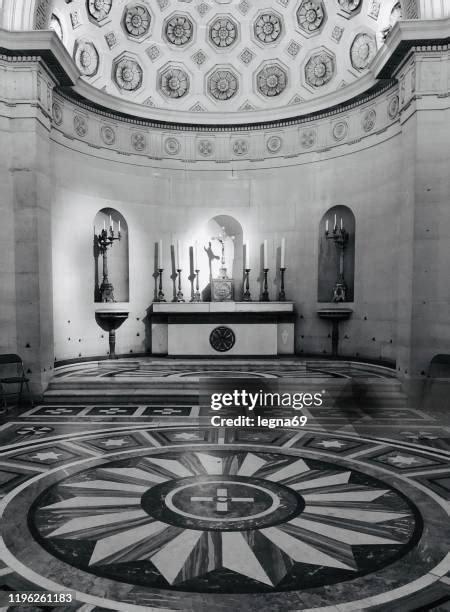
x=265, y=293
x=104, y=241
x=246, y=296
x=180, y=297
x=161, y=297
x=282, y=294
x=340, y=237
x=197, y=297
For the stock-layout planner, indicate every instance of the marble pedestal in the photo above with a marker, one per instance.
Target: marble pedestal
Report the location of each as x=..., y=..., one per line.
x=247, y=328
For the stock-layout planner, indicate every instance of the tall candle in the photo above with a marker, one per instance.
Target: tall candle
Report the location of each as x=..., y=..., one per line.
x=110, y=221
x=283, y=252
x=112, y=226
x=247, y=255
x=104, y=224
x=265, y=254
x=195, y=255
x=160, y=254
x=178, y=255
x=341, y=224
x=335, y=221
x=326, y=225
x=119, y=226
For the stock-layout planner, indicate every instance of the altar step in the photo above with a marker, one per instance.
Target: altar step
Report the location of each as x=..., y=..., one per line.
x=369, y=393
x=280, y=365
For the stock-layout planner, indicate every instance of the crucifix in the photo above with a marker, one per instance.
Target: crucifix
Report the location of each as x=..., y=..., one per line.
x=221, y=238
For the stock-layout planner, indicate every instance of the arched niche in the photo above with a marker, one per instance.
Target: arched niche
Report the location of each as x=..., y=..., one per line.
x=330, y=252
x=234, y=256
x=117, y=255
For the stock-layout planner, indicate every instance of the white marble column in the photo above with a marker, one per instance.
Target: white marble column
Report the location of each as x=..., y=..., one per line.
x=26, y=320
x=423, y=316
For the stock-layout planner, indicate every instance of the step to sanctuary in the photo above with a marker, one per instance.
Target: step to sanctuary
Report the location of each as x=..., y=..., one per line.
x=165, y=381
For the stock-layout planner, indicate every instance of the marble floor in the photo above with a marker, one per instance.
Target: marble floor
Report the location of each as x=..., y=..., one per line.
x=145, y=506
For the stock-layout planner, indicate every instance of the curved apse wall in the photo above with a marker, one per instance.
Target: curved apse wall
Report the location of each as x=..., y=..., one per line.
x=277, y=183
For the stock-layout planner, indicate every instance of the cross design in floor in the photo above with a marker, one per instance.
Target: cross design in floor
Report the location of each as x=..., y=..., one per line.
x=113, y=411
x=222, y=499
x=166, y=411
x=33, y=430
x=58, y=411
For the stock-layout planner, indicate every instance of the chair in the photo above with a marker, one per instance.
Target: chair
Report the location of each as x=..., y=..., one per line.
x=13, y=365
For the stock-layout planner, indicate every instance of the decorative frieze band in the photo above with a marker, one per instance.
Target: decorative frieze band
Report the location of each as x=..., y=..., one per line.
x=334, y=128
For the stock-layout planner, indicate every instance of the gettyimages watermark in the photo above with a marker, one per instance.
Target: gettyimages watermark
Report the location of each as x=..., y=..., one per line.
x=256, y=403
x=245, y=399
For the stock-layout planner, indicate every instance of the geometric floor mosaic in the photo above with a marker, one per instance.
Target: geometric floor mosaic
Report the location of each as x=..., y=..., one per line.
x=135, y=515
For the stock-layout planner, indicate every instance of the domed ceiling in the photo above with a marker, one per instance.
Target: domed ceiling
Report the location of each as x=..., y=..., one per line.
x=222, y=55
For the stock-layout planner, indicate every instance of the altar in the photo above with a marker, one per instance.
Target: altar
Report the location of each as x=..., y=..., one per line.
x=219, y=329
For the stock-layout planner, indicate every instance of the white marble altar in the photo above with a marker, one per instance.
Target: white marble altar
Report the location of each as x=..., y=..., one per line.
x=259, y=328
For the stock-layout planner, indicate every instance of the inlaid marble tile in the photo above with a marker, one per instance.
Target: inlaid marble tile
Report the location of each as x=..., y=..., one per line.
x=402, y=460
x=112, y=411
x=167, y=411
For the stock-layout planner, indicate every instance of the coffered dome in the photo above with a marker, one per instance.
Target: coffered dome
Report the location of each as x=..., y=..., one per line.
x=222, y=56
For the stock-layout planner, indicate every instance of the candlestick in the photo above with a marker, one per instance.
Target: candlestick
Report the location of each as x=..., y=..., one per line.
x=283, y=252
x=246, y=297
x=160, y=248
x=197, y=297
x=265, y=254
x=191, y=279
x=247, y=255
x=326, y=226
x=265, y=293
x=282, y=294
x=161, y=297
x=180, y=297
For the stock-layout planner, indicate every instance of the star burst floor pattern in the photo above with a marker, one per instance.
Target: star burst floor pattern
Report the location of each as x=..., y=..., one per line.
x=228, y=521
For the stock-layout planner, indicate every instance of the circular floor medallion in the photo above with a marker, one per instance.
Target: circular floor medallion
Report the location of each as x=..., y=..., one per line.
x=228, y=521
x=225, y=504
x=189, y=516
